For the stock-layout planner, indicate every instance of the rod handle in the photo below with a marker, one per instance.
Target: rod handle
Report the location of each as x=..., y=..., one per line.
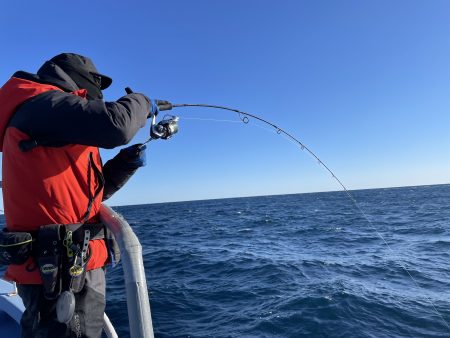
x=163, y=105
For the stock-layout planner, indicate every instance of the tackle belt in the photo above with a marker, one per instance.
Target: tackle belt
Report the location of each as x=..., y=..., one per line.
x=61, y=252
x=63, y=255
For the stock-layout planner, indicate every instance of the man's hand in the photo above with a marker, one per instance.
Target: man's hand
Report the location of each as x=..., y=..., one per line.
x=154, y=110
x=134, y=155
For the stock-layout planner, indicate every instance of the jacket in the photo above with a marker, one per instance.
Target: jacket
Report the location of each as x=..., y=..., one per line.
x=52, y=171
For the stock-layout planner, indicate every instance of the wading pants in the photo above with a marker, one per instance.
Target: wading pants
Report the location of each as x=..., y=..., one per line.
x=39, y=319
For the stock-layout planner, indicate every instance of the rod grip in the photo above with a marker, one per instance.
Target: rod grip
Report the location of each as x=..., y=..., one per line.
x=163, y=105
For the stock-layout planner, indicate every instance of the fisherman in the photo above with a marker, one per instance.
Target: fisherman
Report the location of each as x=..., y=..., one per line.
x=51, y=126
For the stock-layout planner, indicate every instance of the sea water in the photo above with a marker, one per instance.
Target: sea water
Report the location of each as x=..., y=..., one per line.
x=304, y=265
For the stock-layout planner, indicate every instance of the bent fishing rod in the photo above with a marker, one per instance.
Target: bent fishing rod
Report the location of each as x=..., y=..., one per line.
x=168, y=126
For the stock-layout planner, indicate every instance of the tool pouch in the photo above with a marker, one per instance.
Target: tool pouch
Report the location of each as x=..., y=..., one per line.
x=74, y=272
x=15, y=247
x=49, y=259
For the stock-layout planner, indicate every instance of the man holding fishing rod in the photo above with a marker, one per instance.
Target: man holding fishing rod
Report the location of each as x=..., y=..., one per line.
x=51, y=126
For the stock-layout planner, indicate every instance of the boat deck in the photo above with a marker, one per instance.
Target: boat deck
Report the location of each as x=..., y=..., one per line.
x=11, y=309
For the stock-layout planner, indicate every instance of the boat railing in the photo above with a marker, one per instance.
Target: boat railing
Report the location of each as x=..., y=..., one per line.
x=138, y=304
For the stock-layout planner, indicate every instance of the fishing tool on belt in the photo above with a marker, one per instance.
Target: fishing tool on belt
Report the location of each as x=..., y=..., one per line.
x=62, y=255
x=245, y=118
x=75, y=273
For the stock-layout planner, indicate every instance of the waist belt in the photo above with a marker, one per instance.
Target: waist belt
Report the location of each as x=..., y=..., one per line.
x=17, y=247
x=96, y=230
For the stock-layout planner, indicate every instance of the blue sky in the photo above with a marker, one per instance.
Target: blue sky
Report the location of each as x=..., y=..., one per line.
x=365, y=84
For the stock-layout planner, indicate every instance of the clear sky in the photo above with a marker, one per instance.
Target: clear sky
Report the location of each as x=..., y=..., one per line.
x=365, y=84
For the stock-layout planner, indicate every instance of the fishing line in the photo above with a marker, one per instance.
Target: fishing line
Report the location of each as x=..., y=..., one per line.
x=323, y=264
x=245, y=118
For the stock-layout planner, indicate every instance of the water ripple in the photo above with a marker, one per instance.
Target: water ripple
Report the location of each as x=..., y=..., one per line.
x=295, y=265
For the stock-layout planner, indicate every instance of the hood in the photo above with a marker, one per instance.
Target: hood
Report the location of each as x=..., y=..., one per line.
x=13, y=93
x=83, y=72
x=82, y=67
x=51, y=73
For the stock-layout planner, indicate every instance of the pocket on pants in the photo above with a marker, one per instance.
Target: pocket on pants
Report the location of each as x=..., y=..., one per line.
x=87, y=321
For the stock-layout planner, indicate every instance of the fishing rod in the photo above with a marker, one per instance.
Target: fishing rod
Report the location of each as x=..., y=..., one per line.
x=168, y=126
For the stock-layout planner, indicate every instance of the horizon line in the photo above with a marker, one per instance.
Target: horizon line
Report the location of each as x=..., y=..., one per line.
x=299, y=193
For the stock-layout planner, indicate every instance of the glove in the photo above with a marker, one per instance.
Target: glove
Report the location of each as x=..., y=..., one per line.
x=153, y=108
x=134, y=156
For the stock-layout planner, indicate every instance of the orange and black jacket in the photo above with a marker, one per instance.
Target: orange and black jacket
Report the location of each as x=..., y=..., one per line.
x=52, y=171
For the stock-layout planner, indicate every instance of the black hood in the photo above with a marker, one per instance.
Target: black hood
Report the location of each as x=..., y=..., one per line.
x=79, y=69
x=50, y=73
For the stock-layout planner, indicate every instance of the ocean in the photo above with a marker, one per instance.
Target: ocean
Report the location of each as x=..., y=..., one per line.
x=303, y=265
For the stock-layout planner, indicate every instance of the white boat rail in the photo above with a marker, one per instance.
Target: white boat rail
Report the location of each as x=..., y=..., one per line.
x=108, y=328
x=138, y=304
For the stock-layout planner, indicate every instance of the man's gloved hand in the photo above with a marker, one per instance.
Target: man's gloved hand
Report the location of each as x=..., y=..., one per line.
x=134, y=156
x=153, y=108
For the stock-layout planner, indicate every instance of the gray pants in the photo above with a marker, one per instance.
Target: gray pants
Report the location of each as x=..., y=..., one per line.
x=39, y=319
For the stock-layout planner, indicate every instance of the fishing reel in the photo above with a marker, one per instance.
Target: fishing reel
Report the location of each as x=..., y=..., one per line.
x=165, y=128
x=168, y=126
